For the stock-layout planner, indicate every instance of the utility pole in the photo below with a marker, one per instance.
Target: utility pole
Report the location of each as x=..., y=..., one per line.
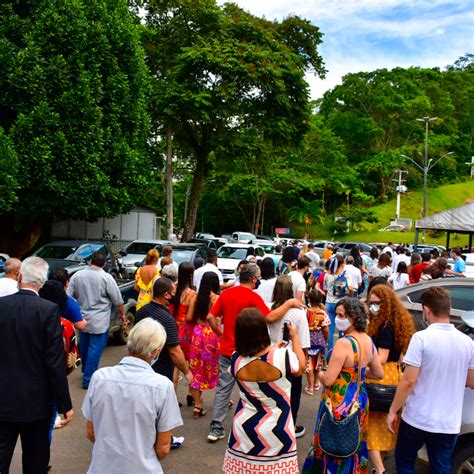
x=401, y=188
x=169, y=184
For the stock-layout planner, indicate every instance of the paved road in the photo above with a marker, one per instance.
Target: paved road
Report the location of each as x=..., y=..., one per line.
x=71, y=451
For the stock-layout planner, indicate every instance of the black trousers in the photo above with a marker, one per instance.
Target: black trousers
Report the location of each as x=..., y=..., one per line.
x=34, y=443
x=296, y=386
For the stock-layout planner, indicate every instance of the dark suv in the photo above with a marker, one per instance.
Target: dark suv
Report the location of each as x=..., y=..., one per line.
x=74, y=255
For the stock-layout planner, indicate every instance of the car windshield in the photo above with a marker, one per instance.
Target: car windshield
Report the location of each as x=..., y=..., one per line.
x=236, y=253
x=244, y=236
x=62, y=252
x=268, y=248
x=182, y=255
x=140, y=248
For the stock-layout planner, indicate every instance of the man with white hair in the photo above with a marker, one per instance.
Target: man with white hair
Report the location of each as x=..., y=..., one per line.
x=130, y=409
x=32, y=370
x=9, y=283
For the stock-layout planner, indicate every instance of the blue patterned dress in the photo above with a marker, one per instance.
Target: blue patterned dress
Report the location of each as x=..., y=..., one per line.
x=342, y=394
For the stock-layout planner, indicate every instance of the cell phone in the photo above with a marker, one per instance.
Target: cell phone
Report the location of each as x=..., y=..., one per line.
x=286, y=333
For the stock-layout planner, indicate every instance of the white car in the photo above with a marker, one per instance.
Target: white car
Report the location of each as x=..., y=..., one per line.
x=243, y=237
x=229, y=256
x=135, y=252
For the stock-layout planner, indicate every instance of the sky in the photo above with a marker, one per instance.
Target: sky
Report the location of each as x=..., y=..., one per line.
x=364, y=35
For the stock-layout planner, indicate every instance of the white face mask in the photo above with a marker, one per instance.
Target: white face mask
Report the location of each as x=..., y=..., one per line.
x=342, y=324
x=152, y=363
x=374, y=308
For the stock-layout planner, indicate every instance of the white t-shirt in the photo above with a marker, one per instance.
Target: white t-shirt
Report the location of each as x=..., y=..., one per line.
x=208, y=267
x=375, y=271
x=297, y=317
x=355, y=275
x=265, y=290
x=399, y=280
x=313, y=257
x=444, y=356
x=299, y=283
x=388, y=249
x=8, y=286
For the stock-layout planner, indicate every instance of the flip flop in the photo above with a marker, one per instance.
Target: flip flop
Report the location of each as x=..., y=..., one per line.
x=198, y=412
x=309, y=390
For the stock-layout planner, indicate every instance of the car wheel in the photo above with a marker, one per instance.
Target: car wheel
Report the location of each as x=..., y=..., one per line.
x=463, y=459
x=120, y=337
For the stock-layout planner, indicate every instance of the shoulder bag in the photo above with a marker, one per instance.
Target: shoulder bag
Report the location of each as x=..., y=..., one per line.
x=341, y=438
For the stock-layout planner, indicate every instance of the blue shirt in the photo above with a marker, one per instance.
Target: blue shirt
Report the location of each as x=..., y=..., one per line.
x=128, y=405
x=459, y=265
x=73, y=310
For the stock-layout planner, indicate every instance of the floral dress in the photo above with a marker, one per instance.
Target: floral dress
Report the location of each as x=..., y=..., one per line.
x=342, y=393
x=185, y=330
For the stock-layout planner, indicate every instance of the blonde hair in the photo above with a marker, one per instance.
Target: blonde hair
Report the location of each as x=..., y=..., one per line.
x=152, y=257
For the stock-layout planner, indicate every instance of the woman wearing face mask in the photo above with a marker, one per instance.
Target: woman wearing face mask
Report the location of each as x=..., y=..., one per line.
x=352, y=360
x=391, y=328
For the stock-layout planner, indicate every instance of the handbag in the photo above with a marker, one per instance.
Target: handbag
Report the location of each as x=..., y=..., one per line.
x=380, y=396
x=341, y=438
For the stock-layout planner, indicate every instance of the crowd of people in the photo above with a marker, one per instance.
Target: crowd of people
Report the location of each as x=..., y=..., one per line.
x=336, y=319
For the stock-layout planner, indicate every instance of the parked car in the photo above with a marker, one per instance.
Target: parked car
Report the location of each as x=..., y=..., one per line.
x=420, y=248
x=346, y=247
x=74, y=255
x=460, y=289
x=462, y=459
x=204, y=235
x=264, y=237
x=243, y=237
x=228, y=257
x=135, y=252
x=321, y=245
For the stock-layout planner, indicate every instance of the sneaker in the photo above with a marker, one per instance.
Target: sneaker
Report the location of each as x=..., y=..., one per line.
x=176, y=441
x=299, y=431
x=215, y=433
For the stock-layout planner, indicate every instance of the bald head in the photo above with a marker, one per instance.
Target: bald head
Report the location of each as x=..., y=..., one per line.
x=12, y=268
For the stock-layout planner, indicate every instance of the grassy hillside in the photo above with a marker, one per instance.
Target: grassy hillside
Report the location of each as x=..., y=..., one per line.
x=438, y=199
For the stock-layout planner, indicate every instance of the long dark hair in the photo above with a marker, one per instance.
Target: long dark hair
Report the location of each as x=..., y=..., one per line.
x=185, y=281
x=267, y=268
x=355, y=252
x=283, y=291
x=209, y=282
x=54, y=291
x=289, y=254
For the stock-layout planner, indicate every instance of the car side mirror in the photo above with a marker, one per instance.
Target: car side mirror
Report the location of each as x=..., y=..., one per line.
x=138, y=264
x=123, y=253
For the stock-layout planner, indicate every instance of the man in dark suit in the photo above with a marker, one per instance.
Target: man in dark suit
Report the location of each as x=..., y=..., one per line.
x=32, y=370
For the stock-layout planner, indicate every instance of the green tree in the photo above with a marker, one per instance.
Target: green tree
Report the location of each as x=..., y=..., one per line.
x=219, y=71
x=73, y=103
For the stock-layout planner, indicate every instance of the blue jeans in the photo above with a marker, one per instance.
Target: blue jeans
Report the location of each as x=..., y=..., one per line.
x=91, y=347
x=331, y=310
x=440, y=448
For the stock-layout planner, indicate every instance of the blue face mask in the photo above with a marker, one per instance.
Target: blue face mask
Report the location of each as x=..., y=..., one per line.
x=153, y=361
x=257, y=284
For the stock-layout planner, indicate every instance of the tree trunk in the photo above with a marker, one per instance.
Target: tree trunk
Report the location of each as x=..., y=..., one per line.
x=196, y=189
x=19, y=242
x=169, y=184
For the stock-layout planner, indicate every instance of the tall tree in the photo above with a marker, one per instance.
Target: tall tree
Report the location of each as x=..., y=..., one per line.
x=219, y=71
x=73, y=104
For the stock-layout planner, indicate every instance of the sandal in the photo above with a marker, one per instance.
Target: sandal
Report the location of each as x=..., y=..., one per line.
x=317, y=386
x=198, y=412
x=309, y=390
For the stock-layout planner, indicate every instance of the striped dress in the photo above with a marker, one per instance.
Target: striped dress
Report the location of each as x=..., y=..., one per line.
x=262, y=439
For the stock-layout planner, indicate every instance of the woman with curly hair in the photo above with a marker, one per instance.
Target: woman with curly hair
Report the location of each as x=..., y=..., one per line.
x=391, y=328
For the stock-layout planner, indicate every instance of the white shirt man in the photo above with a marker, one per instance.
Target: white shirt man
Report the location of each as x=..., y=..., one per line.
x=299, y=283
x=354, y=274
x=132, y=387
x=313, y=257
x=208, y=267
x=9, y=283
x=440, y=364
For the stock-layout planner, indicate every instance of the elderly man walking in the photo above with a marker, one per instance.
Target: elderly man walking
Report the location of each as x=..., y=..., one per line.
x=95, y=290
x=9, y=283
x=130, y=409
x=32, y=370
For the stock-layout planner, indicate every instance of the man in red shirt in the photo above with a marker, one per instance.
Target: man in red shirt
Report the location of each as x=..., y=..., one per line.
x=229, y=305
x=418, y=269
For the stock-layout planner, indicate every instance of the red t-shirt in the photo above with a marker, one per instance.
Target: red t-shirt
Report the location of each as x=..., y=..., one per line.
x=228, y=306
x=417, y=270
